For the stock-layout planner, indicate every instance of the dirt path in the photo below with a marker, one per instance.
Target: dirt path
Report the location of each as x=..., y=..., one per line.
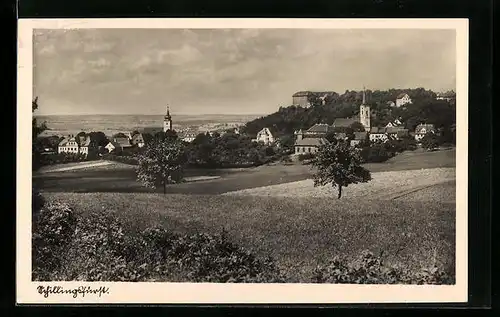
x=75, y=167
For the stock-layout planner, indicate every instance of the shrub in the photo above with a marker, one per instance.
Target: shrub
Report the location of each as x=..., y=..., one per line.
x=370, y=269
x=53, y=228
x=305, y=157
x=97, y=248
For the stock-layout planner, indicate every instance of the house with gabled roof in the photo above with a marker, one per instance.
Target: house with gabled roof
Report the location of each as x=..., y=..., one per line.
x=86, y=145
x=68, y=145
x=301, y=98
x=265, y=136
x=318, y=130
x=422, y=129
x=137, y=139
x=309, y=145
x=402, y=99
x=344, y=122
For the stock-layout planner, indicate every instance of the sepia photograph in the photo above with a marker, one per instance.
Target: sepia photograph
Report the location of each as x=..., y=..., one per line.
x=211, y=154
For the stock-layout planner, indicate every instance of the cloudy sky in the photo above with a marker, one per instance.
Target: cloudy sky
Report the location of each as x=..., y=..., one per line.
x=233, y=71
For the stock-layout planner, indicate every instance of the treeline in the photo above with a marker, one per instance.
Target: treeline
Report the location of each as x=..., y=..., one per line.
x=423, y=109
x=229, y=150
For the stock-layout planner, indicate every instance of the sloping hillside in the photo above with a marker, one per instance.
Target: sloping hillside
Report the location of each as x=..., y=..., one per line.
x=424, y=108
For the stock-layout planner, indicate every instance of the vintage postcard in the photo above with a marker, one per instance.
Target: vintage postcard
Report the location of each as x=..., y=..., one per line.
x=242, y=161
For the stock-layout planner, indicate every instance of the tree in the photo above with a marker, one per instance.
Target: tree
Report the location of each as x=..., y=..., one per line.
x=430, y=141
x=339, y=165
x=161, y=163
x=37, y=129
x=99, y=138
x=357, y=127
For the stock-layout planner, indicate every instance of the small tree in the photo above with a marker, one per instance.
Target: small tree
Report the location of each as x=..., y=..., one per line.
x=430, y=141
x=161, y=163
x=339, y=165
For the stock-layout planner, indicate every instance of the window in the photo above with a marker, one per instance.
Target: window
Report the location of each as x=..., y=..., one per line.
x=309, y=149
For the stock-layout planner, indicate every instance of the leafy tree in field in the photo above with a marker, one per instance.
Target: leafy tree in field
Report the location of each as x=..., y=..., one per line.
x=99, y=138
x=161, y=163
x=430, y=141
x=339, y=165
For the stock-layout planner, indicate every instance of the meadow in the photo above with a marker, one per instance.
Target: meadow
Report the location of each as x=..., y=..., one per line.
x=298, y=232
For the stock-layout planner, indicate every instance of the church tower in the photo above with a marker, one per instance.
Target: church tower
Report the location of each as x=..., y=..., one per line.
x=364, y=113
x=167, y=121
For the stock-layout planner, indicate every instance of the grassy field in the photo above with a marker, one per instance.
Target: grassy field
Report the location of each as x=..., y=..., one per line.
x=299, y=232
x=122, y=178
x=384, y=185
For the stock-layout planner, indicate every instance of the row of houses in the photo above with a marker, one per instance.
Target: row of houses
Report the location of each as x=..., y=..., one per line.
x=309, y=140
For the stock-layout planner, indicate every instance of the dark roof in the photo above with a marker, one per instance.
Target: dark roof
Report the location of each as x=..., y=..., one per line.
x=359, y=135
x=403, y=132
x=377, y=130
x=311, y=142
x=302, y=94
x=401, y=95
x=320, y=128
x=344, y=122
x=124, y=142
x=394, y=129
x=152, y=130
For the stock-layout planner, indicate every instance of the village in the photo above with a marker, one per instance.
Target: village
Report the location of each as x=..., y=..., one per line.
x=246, y=156
x=306, y=141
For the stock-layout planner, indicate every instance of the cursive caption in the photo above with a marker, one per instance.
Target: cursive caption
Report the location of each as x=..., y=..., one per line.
x=75, y=292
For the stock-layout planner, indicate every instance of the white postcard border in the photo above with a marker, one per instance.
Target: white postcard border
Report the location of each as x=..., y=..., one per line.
x=207, y=293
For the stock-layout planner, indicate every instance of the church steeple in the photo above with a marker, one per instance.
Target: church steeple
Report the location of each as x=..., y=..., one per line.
x=167, y=121
x=167, y=116
x=364, y=113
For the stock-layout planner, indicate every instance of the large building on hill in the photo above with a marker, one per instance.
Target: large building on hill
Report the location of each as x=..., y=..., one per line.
x=301, y=98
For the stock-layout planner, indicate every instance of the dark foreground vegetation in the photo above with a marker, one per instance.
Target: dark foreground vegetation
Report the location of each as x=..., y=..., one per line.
x=182, y=238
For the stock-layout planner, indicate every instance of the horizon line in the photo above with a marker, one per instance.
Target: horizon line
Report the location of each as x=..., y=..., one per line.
x=150, y=114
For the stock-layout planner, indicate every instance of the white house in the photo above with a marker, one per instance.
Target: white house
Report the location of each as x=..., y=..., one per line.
x=68, y=145
x=137, y=139
x=395, y=123
x=308, y=145
x=264, y=136
x=378, y=134
x=112, y=146
x=422, y=129
x=402, y=100
x=85, y=145
x=188, y=137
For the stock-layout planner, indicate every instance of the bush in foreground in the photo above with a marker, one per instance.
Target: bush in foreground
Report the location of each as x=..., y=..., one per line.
x=97, y=248
x=371, y=269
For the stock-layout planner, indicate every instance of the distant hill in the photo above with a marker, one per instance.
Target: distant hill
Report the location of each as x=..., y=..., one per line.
x=424, y=108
